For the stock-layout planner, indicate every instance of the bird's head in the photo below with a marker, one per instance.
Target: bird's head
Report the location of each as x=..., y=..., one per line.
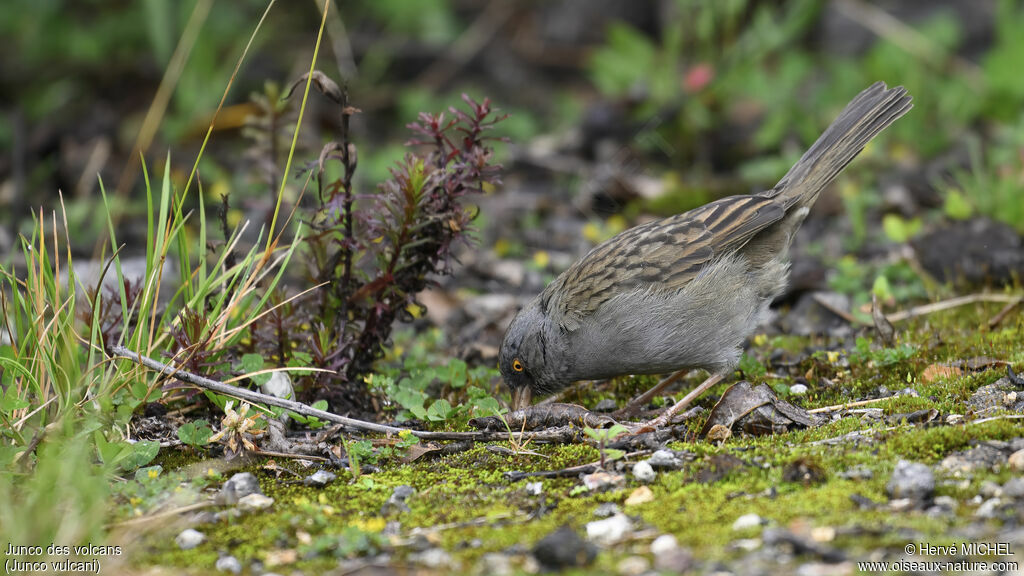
x=527, y=356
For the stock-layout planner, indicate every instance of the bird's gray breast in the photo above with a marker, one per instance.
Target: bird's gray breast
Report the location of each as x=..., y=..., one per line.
x=644, y=330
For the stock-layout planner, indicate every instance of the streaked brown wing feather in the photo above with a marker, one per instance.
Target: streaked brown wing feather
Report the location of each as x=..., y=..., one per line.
x=662, y=255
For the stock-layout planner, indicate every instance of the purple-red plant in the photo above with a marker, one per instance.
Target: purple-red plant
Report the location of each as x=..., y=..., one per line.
x=375, y=251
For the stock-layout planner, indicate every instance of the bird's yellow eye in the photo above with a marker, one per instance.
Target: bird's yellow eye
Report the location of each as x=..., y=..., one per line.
x=517, y=365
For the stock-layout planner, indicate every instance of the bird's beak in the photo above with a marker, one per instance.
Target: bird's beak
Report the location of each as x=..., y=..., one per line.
x=521, y=397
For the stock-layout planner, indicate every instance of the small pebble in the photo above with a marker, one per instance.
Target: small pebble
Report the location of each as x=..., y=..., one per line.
x=747, y=544
x=280, y=385
x=1016, y=461
x=319, y=479
x=239, y=486
x=663, y=544
x=396, y=502
x=606, y=509
x=633, y=566
x=601, y=480
x=823, y=533
x=798, y=389
x=644, y=472
x=747, y=521
x=664, y=459
x=1010, y=399
x=943, y=506
x=254, y=502
x=868, y=414
x=674, y=560
x=610, y=530
x=954, y=419
x=1014, y=487
x=228, y=564
x=902, y=504
x=911, y=480
x=564, y=548
x=990, y=489
x=988, y=508
x=496, y=564
x=641, y=495
x=189, y=539
x=433, y=558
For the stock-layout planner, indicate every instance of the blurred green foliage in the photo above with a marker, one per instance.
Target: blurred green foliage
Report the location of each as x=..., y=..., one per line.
x=757, y=68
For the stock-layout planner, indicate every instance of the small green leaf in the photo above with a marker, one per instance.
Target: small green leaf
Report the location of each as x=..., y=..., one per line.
x=613, y=453
x=486, y=405
x=458, y=373
x=148, y=474
x=10, y=401
x=898, y=229
x=195, y=433
x=139, y=454
x=881, y=288
x=253, y=363
x=439, y=411
x=139, y=389
x=956, y=206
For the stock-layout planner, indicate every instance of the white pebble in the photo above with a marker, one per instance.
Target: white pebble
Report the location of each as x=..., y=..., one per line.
x=747, y=521
x=610, y=530
x=644, y=472
x=189, y=539
x=663, y=544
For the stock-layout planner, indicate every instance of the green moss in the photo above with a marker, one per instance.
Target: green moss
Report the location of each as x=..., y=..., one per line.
x=466, y=497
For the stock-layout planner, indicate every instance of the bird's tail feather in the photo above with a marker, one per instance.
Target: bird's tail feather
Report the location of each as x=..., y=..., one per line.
x=863, y=118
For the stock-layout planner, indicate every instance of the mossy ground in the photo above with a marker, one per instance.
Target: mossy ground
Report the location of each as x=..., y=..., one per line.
x=464, y=503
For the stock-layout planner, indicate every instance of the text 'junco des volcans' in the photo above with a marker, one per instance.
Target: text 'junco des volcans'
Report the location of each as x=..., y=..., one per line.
x=685, y=291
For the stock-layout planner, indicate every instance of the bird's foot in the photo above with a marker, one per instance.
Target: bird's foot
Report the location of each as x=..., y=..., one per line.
x=667, y=415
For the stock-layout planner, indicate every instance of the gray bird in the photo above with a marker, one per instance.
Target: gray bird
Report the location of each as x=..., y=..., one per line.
x=686, y=291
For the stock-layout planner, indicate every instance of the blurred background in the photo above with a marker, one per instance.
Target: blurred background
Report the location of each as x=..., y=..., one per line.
x=618, y=111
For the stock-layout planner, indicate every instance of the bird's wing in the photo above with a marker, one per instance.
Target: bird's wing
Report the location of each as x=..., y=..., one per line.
x=664, y=255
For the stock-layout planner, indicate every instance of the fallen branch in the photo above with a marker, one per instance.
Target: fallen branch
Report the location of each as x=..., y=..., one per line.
x=556, y=435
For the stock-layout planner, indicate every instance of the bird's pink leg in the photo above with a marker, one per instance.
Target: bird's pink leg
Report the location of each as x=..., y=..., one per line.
x=667, y=415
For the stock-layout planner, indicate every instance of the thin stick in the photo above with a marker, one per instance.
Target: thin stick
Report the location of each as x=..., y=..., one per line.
x=951, y=303
x=887, y=26
x=287, y=455
x=161, y=515
x=839, y=311
x=837, y=407
x=305, y=410
x=1000, y=417
x=480, y=33
x=923, y=309
x=1004, y=312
